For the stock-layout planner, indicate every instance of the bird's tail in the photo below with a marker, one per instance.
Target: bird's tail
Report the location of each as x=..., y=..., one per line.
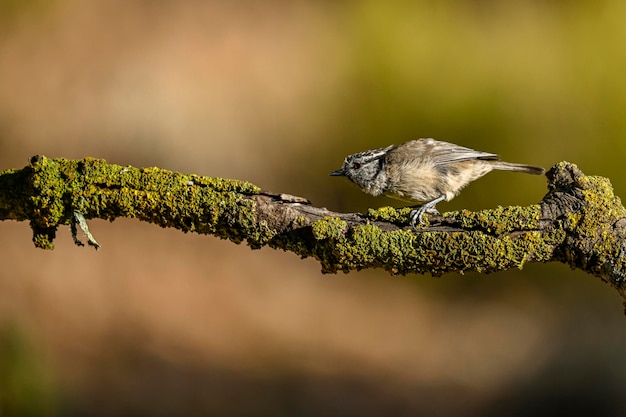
x=508, y=166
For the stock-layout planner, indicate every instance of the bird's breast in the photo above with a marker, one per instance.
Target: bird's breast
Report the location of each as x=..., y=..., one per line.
x=414, y=180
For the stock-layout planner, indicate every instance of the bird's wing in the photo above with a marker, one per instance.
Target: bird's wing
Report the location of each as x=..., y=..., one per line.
x=445, y=153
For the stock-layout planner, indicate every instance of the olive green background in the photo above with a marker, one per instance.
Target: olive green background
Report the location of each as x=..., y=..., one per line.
x=277, y=93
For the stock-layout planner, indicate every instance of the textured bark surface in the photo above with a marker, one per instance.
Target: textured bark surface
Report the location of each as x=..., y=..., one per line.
x=579, y=222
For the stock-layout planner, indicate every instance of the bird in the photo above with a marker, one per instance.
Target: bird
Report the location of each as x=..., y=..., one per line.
x=423, y=172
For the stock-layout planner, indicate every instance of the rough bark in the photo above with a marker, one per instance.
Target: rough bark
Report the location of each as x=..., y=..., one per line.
x=579, y=222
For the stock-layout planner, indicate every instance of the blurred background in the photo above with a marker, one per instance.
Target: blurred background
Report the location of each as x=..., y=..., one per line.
x=162, y=323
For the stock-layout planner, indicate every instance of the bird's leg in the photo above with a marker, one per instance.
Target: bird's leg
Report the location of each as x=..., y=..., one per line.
x=416, y=215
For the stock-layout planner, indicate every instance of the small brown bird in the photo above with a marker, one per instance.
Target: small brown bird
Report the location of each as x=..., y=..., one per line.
x=423, y=171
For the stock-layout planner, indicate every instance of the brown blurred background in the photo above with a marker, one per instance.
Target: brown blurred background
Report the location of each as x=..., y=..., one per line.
x=161, y=323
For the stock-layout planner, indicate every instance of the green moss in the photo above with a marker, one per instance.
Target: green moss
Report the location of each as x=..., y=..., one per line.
x=403, y=251
x=496, y=221
x=97, y=189
x=591, y=241
x=603, y=208
x=329, y=228
x=500, y=220
x=389, y=214
x=43, y=238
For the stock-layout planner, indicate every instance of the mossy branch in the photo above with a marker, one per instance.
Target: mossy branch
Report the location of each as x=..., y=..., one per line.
x=579, y=222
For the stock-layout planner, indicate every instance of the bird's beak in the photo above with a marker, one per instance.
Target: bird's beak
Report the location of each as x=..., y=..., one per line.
x=338, y=172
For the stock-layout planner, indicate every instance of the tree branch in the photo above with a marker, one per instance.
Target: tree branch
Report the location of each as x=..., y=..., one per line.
x=579, y=222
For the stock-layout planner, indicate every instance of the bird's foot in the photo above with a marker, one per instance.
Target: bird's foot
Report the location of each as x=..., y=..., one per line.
x=417, y=216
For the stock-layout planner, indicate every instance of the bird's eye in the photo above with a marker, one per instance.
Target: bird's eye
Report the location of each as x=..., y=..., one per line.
x=356, y=165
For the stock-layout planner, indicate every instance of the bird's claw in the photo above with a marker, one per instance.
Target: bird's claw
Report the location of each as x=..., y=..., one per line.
x=417, y=216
